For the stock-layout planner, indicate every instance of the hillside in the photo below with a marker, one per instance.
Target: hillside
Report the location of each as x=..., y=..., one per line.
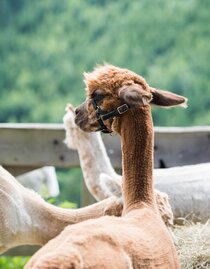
x=46, y=45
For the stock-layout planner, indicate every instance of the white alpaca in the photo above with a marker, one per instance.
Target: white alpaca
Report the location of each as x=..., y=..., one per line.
x=26, y=219
x=188, y=188
x=99, y=175
x=43, y=180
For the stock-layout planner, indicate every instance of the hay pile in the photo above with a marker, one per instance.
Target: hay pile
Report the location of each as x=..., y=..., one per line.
x=193, y=245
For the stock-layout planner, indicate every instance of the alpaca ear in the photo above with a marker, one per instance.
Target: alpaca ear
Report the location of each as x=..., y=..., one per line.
x=167, y=99
x=134, y=94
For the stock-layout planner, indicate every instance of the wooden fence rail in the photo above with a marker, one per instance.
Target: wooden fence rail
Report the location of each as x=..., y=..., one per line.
x=24, y=147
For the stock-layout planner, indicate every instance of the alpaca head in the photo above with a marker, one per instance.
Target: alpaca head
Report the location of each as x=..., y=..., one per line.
x=113, y=89
x=74, y=135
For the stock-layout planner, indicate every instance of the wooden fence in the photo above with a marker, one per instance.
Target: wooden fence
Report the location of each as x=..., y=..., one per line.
x=24, y=147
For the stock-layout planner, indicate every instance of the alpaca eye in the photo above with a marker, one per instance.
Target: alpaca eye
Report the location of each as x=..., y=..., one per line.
x=98, y=95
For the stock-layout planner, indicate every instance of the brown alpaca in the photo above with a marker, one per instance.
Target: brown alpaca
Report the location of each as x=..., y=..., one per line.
x=139, y=239
x=100, y=177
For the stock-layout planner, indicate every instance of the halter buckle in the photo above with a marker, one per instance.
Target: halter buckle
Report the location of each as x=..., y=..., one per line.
x=122, y=109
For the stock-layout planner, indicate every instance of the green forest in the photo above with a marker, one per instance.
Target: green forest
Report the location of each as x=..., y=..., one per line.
x=45, y=46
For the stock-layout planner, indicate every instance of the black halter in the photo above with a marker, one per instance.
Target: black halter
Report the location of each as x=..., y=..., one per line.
x=102, y=115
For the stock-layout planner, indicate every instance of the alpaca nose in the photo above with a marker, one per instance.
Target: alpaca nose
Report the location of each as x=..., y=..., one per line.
x=76, y=110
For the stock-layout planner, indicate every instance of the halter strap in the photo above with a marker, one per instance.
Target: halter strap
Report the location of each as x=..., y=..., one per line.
x=102, y=115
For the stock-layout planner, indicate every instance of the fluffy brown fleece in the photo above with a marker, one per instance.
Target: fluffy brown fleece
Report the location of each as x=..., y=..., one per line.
x=111, y=78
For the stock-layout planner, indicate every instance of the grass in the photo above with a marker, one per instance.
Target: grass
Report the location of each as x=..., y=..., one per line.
x=17, y=262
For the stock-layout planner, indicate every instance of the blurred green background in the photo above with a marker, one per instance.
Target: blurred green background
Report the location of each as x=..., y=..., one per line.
x=46, y=45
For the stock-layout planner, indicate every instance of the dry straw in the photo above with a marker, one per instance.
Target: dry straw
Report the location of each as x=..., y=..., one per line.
x=193, y=245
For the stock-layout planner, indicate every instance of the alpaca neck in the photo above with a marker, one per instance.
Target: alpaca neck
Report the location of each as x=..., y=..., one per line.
x=40, y=221
x=94, y=161
x=136, y=130
x=47, y=221
x=94, y=151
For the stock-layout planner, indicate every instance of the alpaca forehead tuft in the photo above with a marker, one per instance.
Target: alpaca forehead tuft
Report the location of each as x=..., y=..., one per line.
x=110, y=78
